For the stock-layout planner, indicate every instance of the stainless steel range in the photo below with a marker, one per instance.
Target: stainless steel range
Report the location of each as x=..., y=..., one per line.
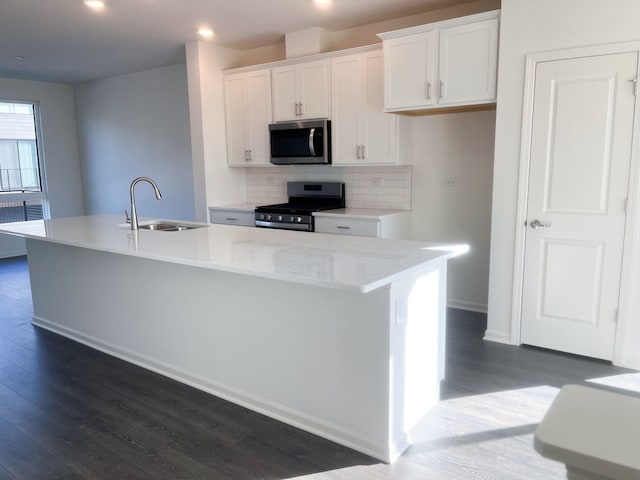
x=304, y=199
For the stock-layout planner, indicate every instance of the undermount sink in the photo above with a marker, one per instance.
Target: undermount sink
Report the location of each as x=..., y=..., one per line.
x=168, y=226
x=165, y=225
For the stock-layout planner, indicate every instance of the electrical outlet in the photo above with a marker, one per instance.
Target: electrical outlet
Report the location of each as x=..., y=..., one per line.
x=401, y=311
x=451, y=181
x=377, y=181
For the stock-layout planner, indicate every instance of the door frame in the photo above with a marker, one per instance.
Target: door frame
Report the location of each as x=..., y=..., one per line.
x=631, y=246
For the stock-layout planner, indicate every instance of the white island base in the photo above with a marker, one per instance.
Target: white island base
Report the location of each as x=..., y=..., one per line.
x=357, y=368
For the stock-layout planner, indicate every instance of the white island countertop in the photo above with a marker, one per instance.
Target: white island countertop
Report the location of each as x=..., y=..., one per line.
x=357, y=264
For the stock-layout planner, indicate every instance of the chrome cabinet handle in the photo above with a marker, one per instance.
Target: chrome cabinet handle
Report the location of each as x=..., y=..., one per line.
x=231, y=219
x=535, y=223
x=441, y=89
x=428, y=90
x=343, y=228
x=250, y=154
x=364, y=151
x=301, y=109
x=359, y=151
x=297, y=109
x=246, y=155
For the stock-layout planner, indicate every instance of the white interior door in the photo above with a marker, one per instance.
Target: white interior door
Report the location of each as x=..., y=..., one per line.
x=578, y=183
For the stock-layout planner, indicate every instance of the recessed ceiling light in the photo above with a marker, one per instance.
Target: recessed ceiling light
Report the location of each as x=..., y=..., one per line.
x=323, y=4
x=97, y=4
x=205, y=32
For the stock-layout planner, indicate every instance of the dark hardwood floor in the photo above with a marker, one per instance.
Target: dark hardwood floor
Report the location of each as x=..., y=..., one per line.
x=67, y=412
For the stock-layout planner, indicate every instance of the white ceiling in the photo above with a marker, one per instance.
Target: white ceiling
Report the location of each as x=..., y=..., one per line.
x=64, y=41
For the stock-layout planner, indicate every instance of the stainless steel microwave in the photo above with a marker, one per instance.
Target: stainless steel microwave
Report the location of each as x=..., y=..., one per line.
x=301, y=143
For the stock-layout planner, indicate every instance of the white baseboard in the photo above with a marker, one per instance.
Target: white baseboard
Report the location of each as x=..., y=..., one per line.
x=463, y=305
x=13, y=253
x=499, y=337
x=284, y=414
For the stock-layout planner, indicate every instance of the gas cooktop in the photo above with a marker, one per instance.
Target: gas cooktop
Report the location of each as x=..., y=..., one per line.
x=304, y=199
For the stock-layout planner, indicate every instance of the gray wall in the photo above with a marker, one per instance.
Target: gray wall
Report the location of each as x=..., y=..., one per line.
x=451, y=196
x=136, y=125
x=59, y=148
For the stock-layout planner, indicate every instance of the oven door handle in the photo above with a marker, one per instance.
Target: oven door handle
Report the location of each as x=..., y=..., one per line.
x=312, y=134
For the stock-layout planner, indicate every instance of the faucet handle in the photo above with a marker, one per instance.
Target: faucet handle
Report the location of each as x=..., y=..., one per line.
x=126, y=214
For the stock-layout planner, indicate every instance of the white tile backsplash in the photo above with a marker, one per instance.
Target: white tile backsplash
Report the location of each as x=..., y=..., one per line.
x=366, y=187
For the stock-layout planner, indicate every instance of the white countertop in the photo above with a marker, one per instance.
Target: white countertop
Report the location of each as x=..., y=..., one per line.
x=352, y=263
x=368, y=213
x=241, y=207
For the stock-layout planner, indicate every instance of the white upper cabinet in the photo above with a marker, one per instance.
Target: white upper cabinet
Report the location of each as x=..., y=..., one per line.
x=468, y=62
x=410, y=70
x=301, y=91
x=361, y=132
x=450, y=63
x=248, y=115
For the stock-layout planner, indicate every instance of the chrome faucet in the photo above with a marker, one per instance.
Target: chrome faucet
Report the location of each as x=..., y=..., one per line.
x=134, y=214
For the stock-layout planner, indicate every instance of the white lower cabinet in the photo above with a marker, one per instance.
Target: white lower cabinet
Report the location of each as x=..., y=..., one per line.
x=348, y=226
x=383, y=224
x=245, y=218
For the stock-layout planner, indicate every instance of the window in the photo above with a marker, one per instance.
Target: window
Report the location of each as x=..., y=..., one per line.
x=21, y=192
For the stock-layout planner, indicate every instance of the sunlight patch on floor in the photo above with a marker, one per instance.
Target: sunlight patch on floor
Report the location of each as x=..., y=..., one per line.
x=487, y=436
x=625, y=381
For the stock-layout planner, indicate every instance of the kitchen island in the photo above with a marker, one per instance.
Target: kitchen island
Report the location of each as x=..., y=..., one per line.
x=340, y=336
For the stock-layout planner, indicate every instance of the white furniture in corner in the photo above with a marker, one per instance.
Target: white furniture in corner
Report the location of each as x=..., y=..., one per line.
x=361, y=133
x=247, y=98
x=444, y=64
x=594, y=432
x=364, y=222
x=301, y=91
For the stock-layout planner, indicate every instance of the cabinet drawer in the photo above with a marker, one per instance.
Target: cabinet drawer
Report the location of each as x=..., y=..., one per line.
x=348, y=226
x=232, y=217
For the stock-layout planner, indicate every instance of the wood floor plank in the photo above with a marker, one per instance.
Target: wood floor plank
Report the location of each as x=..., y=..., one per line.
x=68, y=411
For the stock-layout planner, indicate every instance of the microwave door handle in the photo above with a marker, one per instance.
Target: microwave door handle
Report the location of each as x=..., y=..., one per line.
x=311, y=135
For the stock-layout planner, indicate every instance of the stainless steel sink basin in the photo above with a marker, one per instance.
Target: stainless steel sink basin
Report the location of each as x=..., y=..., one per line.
x=168, y=226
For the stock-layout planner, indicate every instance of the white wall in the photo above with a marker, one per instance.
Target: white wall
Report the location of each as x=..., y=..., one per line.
x=269, y=185
x=528, y=27
x=136, y=125
x=452, y=174
x=214, y=182
x=59, y=148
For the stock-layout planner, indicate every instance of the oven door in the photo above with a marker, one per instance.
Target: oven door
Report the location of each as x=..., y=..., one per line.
x=300, y=142
x=283, y=221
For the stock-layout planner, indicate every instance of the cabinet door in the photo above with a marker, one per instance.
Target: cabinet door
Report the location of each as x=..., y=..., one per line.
x=468, y=63
x=379, y=130
x=236, y=119
x=346, y=102
x=284, y=93
x=348, y=226
x=258, y=95
x=410, y=71
x=313, y=89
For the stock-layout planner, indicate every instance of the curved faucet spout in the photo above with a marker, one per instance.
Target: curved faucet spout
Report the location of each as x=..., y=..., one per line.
x=132, y=197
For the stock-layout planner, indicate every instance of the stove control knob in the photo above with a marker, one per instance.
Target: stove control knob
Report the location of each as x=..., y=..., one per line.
x=280, y=218
x=292, y=219
x=269, y=217
x=299, y=219
x=262, y=216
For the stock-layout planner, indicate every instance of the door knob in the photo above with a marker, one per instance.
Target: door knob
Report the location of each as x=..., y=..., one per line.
x=535, y=223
